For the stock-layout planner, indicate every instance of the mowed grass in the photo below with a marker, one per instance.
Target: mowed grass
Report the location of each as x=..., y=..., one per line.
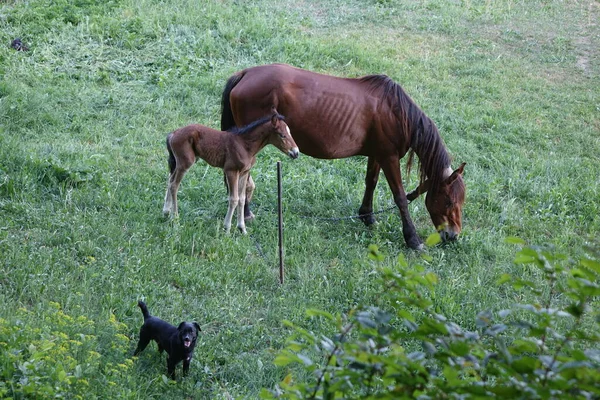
x=513, y=87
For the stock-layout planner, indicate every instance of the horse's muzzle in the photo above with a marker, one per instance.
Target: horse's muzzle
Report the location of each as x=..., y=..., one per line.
x=294, y=153
x=448, y=236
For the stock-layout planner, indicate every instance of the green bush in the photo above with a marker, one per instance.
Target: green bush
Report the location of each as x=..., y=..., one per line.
x=544, y=349
x=61, y=355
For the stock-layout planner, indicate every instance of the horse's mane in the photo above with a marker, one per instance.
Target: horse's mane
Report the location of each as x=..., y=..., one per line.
x=416, y=127
x=253, y=125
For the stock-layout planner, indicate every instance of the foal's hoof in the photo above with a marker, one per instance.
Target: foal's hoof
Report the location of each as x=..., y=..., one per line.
x=243, y=230
x=249, y=217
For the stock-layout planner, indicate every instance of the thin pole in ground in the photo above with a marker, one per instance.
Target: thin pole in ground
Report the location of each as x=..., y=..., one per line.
x=280, y=212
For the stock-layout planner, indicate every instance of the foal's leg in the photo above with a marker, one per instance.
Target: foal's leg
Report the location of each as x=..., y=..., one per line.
x=391, y=168
x=184, y=161
x=250, y=186
x=232, y=178
x=366, y=208
x=241, y=224
x=168, y=205
x=175, y=181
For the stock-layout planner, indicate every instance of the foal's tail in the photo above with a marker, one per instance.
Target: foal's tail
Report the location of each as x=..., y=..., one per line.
x=171, y=160
x=145, y=312
x=227, y=121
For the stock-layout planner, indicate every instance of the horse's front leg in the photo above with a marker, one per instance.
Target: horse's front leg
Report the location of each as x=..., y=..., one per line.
x=241, y=224
x=391, y=169
x=232, y=186
x=365, y=211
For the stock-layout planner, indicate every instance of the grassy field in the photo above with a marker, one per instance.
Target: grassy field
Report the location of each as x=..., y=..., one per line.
x=513, y=86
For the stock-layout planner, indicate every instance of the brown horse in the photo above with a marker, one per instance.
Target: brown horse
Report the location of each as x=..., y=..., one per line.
x=372, y=116
x=234, y=151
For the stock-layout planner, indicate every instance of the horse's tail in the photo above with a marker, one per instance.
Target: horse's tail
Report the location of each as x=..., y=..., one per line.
x=145, y=312
x=227, y=121
x=171, y=160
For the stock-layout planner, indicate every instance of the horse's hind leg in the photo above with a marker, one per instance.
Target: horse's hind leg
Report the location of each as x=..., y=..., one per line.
x=391, y=169
x=365, y=211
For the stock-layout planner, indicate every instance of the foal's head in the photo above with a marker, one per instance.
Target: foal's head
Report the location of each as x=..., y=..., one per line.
x=281, y=137
x=445, y=203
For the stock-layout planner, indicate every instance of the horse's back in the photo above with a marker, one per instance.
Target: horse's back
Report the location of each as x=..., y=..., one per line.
x=329, y=116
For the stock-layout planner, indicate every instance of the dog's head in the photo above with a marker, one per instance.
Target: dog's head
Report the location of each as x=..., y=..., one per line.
x=188, y=332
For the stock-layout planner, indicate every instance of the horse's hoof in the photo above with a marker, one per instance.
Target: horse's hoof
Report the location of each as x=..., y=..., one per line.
x=249, y=217
x=243, y=231
x=368, y=220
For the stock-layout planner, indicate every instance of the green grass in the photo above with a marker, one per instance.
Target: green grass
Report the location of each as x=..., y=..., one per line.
x=512, y=85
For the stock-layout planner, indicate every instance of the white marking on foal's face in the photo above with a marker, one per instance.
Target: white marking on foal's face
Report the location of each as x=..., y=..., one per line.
x=287, y=128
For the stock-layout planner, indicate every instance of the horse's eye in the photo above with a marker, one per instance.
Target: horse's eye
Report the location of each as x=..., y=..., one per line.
x=449, y=204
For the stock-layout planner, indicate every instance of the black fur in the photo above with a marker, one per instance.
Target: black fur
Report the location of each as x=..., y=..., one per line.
x=170, y=339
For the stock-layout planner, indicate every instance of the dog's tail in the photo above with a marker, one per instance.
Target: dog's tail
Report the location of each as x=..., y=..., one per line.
x=145, y=312
x=171, y=160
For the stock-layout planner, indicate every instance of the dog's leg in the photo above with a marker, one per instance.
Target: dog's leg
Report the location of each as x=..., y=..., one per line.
x=171, y=367
x=144, y=340
x=186, y=366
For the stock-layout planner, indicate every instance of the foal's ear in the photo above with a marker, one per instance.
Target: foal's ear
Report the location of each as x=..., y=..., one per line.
x=274, y=119
x=458, y=172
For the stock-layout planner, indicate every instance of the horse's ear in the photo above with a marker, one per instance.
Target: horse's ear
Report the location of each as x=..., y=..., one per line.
x=458, y=172
x=274, y=119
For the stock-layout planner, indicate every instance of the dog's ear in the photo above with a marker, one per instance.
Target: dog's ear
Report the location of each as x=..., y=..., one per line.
x=197, y=327
x=181, y=325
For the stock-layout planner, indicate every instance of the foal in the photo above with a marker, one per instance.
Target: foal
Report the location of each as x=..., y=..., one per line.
x=234, y=151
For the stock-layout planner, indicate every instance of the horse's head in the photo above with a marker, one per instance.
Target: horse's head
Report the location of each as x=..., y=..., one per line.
x=445, y=203
x=282, y=138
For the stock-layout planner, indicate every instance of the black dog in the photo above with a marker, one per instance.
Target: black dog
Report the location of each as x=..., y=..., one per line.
x=178, y=342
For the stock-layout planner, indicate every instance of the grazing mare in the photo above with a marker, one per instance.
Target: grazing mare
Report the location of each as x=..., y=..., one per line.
x=372, y=116
x=234, y=151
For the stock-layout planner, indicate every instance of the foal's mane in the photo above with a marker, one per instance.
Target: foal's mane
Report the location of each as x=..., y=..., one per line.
x=253, y=125
x=416, y=127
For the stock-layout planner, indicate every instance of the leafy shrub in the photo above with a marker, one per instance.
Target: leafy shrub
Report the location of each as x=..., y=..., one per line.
x=61, y=355
x=545, y=349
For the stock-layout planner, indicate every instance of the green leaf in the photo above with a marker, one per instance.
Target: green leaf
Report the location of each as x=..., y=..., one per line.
x=503, y=279
x=62, y=375
x=591, y=264
x=460, y=348
x=451, y=374
x=433, y=239
x=514, y=240
x=431, y=278
x=526, y=365
x=313, y=312
x=524, y=259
